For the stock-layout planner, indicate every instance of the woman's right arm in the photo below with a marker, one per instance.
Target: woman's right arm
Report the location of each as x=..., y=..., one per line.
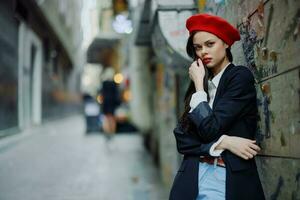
x=239, y=146
x=188, y=144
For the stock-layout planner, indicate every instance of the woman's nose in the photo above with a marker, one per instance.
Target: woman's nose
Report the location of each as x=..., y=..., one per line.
x=203, y=51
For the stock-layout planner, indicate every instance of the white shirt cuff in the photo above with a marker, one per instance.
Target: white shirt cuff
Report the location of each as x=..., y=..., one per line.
x=197, y=98
x=212, y=151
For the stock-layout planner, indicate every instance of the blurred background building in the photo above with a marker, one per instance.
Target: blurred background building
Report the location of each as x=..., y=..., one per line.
x=54, y=51
x=41, y=61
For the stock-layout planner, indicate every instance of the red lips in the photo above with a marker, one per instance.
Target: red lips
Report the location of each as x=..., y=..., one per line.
x=206, y=60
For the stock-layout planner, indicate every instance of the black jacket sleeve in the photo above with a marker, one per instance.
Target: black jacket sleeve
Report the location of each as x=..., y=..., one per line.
x=189, y=144
x=238, y=94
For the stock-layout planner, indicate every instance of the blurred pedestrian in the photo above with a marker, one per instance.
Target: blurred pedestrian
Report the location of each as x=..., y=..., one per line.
x=217, y=129
x=110, y=95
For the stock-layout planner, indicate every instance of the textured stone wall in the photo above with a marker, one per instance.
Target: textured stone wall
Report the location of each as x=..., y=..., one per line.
x=270, y=46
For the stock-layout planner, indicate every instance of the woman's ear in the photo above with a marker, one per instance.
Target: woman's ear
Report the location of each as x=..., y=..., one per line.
x=226, y=45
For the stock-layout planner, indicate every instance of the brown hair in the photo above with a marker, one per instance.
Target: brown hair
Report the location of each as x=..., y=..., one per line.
x=184, y=120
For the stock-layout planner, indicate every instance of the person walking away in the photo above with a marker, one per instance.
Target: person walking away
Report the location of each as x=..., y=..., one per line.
x=110, y=95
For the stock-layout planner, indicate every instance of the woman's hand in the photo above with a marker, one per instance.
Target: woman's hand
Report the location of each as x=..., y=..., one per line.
x=239, y=146
x=197, y=73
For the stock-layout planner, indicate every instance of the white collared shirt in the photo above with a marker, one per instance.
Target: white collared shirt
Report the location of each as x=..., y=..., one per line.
x=201, y=96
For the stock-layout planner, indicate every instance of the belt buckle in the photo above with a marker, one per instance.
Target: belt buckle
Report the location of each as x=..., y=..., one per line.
x=212, y=161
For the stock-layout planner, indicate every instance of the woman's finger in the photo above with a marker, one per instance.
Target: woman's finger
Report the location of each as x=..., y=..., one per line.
x=200, y=63
x=239, y=152
x=195, y=63
x=255, y=147
x=248, y=155
x=252, y=152
x=244, y=156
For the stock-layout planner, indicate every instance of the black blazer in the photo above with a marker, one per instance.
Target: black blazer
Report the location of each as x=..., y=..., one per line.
x=234, y=113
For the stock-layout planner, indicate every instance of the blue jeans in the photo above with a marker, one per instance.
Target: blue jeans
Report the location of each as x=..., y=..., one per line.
x=211, y=182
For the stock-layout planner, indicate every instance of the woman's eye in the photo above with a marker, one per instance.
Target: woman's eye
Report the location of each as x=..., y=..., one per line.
x=197, y=48
x=210, y=44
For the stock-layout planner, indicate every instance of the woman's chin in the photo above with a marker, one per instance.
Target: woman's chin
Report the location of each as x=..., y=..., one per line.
x=210, y=65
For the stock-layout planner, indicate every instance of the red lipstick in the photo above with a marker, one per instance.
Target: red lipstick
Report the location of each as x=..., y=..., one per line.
x=206, y=60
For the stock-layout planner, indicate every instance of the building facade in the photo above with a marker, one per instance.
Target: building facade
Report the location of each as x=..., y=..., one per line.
x=41, y=61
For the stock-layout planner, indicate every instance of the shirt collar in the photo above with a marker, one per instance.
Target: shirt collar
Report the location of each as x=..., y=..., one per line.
x=216, y=79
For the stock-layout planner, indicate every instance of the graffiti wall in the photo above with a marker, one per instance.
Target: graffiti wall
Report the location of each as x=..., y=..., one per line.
x=269, y=47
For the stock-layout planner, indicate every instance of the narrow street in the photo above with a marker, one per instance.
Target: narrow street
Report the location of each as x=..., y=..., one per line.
x=58, y=161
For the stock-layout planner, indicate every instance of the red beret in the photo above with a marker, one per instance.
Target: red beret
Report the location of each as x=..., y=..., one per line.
x=215, y=25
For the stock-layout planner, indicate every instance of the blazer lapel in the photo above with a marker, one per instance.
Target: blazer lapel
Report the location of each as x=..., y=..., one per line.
x=222, y=83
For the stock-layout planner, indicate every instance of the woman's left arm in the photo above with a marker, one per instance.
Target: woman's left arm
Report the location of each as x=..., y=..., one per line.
x=190, y=144
x=236, y=99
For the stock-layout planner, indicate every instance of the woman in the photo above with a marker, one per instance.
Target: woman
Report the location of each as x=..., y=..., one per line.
x=216, y=131
x=110, y=102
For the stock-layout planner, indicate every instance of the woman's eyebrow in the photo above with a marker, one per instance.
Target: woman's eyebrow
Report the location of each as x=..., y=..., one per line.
x=207, y=41
x=210, y=40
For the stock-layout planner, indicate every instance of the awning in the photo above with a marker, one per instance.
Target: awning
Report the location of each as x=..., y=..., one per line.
x=101, y=48
x=168, y=33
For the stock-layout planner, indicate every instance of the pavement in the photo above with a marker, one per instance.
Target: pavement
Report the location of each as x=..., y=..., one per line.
x=59, y=161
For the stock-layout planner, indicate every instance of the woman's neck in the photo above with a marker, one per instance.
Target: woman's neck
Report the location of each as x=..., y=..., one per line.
x=220, y=67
